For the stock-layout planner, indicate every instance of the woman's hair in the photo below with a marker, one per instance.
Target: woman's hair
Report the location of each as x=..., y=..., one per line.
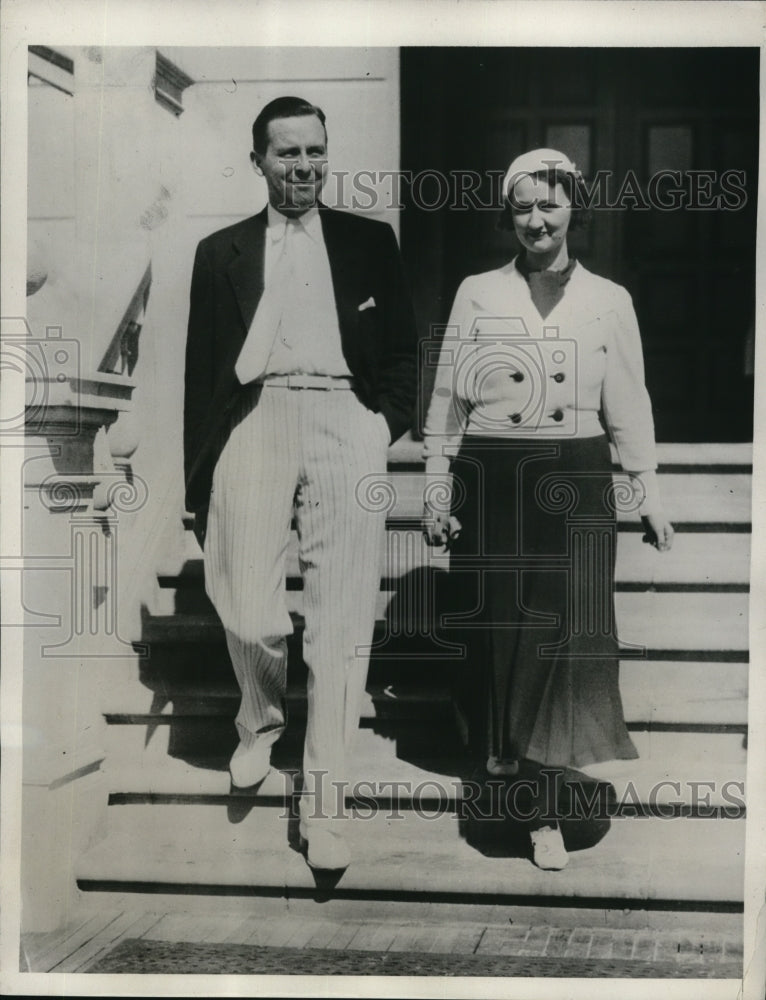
x=576, y=191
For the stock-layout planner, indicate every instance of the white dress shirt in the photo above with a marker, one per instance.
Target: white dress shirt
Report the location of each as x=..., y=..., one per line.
x=307, y=340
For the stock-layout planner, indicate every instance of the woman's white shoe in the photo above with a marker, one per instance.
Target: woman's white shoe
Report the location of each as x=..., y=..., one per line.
x=548, y=851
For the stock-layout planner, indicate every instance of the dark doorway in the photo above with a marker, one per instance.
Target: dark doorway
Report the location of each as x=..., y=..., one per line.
x=672, y=129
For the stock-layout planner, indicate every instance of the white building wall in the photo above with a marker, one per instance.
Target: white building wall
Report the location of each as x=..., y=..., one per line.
x=358, y=89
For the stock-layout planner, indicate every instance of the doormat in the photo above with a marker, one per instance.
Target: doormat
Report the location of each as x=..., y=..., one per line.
x=138, y=955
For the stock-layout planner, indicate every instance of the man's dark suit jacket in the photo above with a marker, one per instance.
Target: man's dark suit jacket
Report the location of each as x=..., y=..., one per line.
x=379, y=342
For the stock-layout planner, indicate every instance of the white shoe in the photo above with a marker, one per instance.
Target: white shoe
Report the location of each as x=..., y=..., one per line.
x=324, y=849
x=249, y=765
x=548, y=851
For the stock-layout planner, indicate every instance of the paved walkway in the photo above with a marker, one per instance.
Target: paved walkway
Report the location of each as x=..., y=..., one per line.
x=131, y=941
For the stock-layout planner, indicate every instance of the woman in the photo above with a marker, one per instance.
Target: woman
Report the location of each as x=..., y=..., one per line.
x=541, y=365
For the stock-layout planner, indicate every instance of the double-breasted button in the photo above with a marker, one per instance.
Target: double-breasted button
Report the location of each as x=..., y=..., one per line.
x=516, y=376
x=515, y=418
x=558, y=415
x=558, y=377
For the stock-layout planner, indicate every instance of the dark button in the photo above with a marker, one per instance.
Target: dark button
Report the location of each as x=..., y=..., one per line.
x=558, y=415
x=515, y=418
x=516, y=376
x=558, y=377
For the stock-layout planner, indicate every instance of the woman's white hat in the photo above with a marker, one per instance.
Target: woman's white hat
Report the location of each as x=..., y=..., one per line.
x=537, y=161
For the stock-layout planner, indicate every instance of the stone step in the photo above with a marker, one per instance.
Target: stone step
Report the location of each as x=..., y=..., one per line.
x=694, y=500
x=717, y=499
x=416, y=810
x=157, y=758
x=477, y=946
x=656, y=785
x=335, y=922
x=653, y=692
x=138, y=777
x=684, y=693
x=699, y=626
x=262, y=822
x=649, y=864
x=688, y=456
x=707, y=498
x=683, y=456
x=405, y=663
x=709, y=622
x=691, y=456
x=220, y=696
x=204, y=735
x=714, y=561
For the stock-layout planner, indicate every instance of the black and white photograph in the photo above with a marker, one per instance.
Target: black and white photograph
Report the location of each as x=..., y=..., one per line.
x=382, y=407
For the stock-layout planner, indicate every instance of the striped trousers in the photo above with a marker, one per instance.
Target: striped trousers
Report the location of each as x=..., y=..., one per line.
x=312, y=455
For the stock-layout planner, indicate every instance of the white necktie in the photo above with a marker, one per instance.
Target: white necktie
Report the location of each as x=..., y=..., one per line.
x=255, y=352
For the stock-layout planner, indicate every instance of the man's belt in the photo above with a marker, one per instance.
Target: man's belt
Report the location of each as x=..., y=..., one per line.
x=322, y=382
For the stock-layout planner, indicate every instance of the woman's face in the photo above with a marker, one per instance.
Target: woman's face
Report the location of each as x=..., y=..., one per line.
x=541, y=214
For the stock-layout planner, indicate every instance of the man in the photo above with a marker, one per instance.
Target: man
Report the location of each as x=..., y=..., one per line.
x=300, y=371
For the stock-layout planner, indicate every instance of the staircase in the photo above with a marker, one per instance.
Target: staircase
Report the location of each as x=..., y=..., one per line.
x=676, y=848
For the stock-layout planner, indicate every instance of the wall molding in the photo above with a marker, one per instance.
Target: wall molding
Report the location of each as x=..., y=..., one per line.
x=50, y=67
x=169, y=84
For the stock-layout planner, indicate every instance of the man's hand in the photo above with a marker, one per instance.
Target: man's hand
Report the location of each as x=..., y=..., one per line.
x=659, y=531
x=439, y=529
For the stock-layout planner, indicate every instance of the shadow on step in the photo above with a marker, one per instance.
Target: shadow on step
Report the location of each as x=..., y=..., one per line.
x=497, y=814
x=416, y=666
x=424, y=632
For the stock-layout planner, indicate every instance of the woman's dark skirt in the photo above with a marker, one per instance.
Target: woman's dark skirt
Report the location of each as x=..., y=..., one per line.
x=532, y=578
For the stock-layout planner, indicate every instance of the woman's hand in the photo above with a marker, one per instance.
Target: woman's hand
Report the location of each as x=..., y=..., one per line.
x=659, y=531
x=439, y=529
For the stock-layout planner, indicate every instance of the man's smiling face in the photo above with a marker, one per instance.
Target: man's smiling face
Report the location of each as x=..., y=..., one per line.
x=294, y=163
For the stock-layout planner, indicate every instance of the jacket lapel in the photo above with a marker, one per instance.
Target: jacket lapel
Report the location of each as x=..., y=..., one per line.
x=246, y=269
x=343, y=259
